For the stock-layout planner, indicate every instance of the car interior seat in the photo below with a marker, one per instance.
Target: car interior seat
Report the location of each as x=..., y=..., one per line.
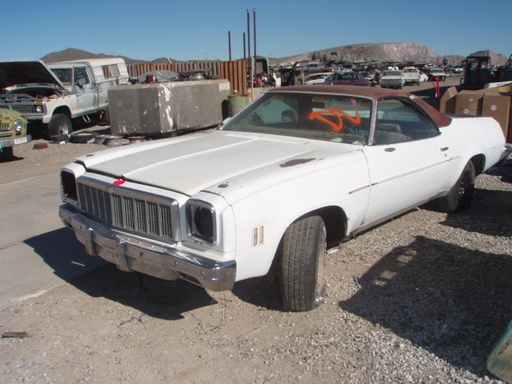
x=389, y=133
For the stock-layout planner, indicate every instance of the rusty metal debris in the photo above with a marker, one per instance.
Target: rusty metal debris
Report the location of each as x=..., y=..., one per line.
x=17, y=335
x=356, y=281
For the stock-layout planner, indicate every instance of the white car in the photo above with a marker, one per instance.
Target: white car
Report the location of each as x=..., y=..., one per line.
x=317, y=78
x=298, y=170
x=392, y=78
x=314, y=67
x=437, y=73
x=412, y=76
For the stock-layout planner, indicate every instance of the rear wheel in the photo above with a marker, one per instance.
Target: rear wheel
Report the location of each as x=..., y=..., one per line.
x=460, y=196
x=60, y=124
x=302, y=265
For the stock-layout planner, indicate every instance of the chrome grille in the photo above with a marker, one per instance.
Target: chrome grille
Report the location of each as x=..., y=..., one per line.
x=22, y=108
x=130, y=209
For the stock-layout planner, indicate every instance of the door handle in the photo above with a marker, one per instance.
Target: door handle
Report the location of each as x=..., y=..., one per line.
x=444, y=149
x=390, y=149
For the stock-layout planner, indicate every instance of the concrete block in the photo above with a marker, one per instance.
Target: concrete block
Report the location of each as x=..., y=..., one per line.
x=164, y=109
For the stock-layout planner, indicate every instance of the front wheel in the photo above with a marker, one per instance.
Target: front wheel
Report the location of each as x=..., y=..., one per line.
x=302, y=258
x=7, y=153
x=460, y=196
x=60, y=124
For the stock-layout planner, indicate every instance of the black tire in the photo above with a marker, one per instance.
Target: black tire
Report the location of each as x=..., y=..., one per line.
x=59, y=138
x=60, y=124
x=105, y=117
x=82, y=138
x=302, y=258
x=460, y=196
x=7, y=153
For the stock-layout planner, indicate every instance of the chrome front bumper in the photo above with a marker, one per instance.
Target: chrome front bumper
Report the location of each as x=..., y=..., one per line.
x=132, y=254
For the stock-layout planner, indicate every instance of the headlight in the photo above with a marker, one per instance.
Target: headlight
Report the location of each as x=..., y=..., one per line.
x=39, y=109
x=68, y=186
x=201, y=221
x=18, y=126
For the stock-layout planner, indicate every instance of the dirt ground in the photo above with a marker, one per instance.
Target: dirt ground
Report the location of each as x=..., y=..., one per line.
x=420, y=299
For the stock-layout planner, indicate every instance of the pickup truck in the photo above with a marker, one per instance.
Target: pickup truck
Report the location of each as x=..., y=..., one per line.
x=13, y=131
x=52, y=96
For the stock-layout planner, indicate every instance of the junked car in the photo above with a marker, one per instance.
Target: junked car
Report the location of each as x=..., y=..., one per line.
x=315, y=67
x=437, y=73
x=316, y=78
x=393, y=78
x=347, y=78
x=297, y=171
x=13, y=132
x=53, y=96
x=411, y=76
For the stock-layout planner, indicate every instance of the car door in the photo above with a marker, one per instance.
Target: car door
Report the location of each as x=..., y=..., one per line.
x=86, y=92
x=407, y=159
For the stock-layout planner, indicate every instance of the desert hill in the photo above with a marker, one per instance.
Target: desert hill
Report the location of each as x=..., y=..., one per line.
x=78, y=54
x=382, y=52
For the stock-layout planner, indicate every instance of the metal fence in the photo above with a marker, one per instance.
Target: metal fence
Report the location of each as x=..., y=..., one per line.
x=234, y=71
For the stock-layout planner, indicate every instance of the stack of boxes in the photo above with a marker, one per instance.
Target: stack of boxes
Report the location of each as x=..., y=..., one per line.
x=494, y=102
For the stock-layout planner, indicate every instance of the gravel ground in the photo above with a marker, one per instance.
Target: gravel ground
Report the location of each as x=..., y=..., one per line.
x=420, y=299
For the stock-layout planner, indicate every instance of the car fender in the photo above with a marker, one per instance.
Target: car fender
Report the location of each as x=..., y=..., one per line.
x=258, y=239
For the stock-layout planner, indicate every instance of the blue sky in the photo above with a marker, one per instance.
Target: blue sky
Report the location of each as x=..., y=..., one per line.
x=198, y=29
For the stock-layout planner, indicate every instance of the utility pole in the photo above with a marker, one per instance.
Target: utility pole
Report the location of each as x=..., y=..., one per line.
x=249, y=51
x=254, y=26
x=229, y=44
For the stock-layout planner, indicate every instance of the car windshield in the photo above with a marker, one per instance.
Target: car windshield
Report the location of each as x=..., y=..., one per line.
x=64, y=75
x=328, y=117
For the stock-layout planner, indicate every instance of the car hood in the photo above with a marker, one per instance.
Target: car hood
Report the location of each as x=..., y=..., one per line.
x=217, y=162
x=26, y=72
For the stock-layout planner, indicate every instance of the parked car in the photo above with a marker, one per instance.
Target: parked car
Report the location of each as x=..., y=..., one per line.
x=13, y=132
x=298, y=170
x=316, y=78
x=393, y=78
x=315, y=67
x=423, y=77
x=53, y=96
x=347, y=78
x=411, y=76
x=434, y=73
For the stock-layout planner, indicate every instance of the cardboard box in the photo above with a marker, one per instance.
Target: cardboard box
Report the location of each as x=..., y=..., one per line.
x=497, y=106
x=447, y=102
x=504, y=89
x=468, y=103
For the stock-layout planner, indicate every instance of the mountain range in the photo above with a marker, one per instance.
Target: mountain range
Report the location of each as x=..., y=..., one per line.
x=382, y=52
